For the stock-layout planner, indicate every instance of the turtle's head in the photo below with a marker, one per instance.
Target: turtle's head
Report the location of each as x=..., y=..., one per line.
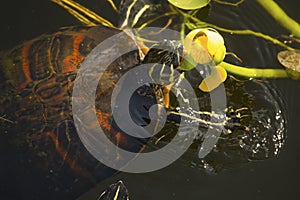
x=166, y=58
x=167, y=52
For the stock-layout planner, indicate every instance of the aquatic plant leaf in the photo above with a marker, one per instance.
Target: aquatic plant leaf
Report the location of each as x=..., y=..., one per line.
x=291, y=61
x=189, y=4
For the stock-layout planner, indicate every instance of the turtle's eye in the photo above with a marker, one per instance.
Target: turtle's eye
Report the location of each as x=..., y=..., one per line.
x=86, y=46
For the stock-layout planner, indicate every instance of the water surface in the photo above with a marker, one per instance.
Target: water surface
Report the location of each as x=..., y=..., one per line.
x=274, y=178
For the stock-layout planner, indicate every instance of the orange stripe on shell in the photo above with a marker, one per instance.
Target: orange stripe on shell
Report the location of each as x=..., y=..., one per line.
x=71, y=62
x=25, y=65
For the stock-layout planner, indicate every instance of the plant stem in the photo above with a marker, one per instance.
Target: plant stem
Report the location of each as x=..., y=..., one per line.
x=250, y=32
x=254, y=72
x=228, y=3
x=281, y=17
x=242, y=32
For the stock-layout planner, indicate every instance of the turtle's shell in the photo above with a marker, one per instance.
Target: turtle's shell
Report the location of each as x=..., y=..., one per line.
x=35, y=97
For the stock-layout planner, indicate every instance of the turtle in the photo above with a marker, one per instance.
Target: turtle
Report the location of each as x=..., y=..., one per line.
x=36, y=112
x=36, y=86
x=37, y=78
x=37, y=122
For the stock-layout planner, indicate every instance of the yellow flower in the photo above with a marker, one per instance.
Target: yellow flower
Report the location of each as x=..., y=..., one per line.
x=204, y=44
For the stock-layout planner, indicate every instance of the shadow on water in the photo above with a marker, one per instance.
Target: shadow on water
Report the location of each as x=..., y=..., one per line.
x=185, y=179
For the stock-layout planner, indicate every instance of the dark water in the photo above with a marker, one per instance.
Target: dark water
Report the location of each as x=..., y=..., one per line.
x=275, y=178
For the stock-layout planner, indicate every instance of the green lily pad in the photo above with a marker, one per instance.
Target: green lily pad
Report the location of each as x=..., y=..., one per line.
x=291, y=61
x=189, y=4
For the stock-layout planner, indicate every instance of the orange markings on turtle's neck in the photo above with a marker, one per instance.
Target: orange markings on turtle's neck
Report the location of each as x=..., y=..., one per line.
x=71, y=62
x=25, y=64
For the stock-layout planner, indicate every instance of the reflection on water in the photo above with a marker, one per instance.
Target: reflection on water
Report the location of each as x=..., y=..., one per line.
x=255, y=127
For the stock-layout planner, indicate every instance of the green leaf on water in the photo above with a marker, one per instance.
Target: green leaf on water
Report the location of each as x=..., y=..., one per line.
x=291, y=61
x=189, y=4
